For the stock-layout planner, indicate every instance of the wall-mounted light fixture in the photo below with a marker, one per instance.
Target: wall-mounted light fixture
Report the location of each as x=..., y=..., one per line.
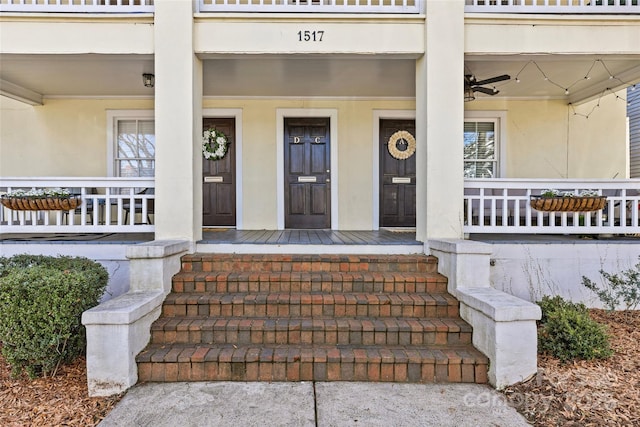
x=149, y=80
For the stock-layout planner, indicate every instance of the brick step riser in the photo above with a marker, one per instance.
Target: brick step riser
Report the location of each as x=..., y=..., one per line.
x=253, y=266
x=246, y=337
x=306, y=310
x=313, y=371
x=226, y=286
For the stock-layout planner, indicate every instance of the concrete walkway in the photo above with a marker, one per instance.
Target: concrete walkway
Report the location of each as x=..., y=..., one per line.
x=307, y=404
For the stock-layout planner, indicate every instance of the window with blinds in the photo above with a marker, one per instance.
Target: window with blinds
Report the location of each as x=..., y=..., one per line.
x=135, y=150
x=480, y=158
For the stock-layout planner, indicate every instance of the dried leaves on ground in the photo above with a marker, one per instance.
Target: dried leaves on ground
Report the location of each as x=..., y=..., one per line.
x=54, y=401
x=582, y=393
x=587, y=393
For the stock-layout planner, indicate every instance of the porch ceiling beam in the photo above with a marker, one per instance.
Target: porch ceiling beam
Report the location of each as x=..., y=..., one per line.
x=629, y=77
x=19, y=93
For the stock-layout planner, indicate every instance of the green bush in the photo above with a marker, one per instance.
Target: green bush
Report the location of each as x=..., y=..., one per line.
x=618, y=288
x=567, y=332
x=41, y=303
x=553, y=304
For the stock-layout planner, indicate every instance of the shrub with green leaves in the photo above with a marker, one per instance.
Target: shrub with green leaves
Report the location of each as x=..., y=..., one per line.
x=618, y=288
x=567, y=332
x=41, y=303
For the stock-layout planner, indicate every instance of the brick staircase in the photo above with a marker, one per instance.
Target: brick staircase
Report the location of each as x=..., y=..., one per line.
x=310, y=317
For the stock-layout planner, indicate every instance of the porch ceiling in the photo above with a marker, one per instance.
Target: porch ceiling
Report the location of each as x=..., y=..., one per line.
x=561, y=72
x=37, y=76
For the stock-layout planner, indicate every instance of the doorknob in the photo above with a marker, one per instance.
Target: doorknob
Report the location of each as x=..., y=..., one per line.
x=328, y=171
x=328, y=180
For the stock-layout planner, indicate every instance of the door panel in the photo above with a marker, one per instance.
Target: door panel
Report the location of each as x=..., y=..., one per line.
x=219, y=197
x=397, y=178
x=307, y=173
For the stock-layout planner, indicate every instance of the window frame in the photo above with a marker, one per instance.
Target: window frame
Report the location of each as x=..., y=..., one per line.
x=113, y=118
x=500, y=120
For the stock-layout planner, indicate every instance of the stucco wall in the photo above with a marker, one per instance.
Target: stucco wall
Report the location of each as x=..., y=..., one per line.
x=355, y=165
x=63, y=137
x=68, y=137
x=531, y=270
x=546, y=140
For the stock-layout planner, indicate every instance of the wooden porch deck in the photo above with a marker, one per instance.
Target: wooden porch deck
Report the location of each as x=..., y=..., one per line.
x=235, y=237
x=309, y=237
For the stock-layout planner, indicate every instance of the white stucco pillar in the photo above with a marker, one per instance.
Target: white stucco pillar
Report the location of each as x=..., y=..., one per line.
x=439, y=122
x=178, y=114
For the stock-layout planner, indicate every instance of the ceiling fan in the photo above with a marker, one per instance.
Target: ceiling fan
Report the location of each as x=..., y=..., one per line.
x=471, y=85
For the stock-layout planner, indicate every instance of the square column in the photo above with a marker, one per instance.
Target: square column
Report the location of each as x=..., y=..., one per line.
x=178, y=122
x=440, y=122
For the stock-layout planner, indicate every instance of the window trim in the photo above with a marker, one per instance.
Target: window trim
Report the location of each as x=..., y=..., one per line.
x=113, y=117
x=500, y=117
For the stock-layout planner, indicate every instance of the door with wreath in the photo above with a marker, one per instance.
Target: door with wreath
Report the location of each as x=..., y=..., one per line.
x=397, y=173
x=219, y=177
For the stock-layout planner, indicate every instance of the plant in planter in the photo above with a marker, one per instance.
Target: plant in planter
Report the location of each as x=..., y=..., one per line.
x=553, y=200
x=40, y=199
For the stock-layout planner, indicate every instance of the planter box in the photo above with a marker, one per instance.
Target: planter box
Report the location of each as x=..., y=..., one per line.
x=568, y=204
x=41, y=203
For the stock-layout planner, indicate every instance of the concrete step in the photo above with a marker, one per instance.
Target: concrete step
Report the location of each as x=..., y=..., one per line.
x=311, y=363
x=321, y=331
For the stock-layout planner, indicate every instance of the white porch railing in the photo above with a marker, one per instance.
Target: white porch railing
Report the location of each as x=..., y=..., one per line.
x=77, y=6
x=502, y=206
x=122, y=205
x=553, y=6
x=322, y=6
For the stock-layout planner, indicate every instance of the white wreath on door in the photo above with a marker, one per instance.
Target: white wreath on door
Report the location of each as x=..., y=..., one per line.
x=392, y=145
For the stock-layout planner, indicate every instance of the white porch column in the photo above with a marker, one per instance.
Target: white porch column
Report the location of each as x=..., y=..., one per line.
x=439, y=122
x=178, y=113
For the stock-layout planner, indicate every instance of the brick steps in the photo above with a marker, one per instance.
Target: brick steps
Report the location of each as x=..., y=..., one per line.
x=336, y=331
x=310, y=317
x=310, y=304
x=311, y=363
x=234, y=282
x=308, y=263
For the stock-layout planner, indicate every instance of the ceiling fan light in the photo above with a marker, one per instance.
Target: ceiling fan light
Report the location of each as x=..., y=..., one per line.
x=468, y=95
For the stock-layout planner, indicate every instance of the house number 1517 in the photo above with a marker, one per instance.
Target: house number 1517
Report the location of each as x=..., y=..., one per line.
x=310, y=36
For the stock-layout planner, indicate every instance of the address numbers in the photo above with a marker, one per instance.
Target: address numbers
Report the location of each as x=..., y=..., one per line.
x=310, y=36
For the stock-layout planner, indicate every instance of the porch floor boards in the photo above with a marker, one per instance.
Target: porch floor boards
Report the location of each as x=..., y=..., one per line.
x=309, y=237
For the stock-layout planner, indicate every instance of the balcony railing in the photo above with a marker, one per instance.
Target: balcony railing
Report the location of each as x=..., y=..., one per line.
x=554, y=6
x=502, y=206
x=121, y=205
x=490, y=206
x=322, y=6
x=77, y=6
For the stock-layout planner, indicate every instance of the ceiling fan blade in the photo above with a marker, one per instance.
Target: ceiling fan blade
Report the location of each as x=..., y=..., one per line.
x=492, y=80
x=486, y=90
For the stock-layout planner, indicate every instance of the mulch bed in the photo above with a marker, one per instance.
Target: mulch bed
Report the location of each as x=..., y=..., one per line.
x=587, y=393
x=582, y=393
x=54, y=401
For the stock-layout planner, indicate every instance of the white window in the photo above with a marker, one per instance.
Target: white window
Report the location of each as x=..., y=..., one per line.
x=131, y=144
x=480, y=160
x=482, y=145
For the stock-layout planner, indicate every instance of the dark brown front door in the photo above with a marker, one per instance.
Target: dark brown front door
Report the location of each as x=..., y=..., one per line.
x=307, y=192
x=397, y=174
x=219, y=187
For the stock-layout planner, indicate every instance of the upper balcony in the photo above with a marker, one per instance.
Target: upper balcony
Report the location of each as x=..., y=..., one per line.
x=77, y=6
x=329, y=6
x=553, y=6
